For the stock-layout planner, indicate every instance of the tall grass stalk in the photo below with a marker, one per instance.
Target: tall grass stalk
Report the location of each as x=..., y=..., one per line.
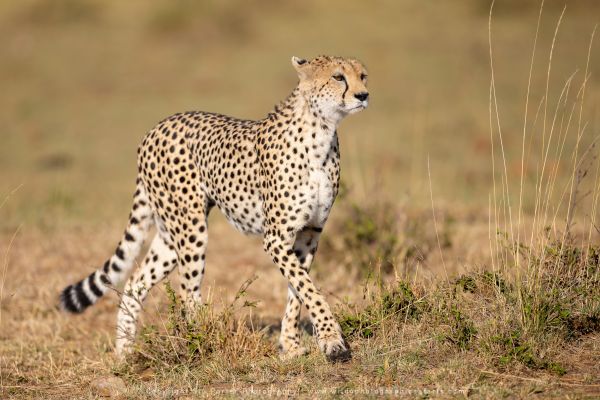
x=527, y=262
x=6, y=262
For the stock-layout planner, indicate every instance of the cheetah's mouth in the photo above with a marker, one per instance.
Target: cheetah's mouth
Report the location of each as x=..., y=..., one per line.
x=360, y=106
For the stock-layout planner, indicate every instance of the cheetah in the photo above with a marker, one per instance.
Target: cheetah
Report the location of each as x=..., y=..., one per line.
x=277, y=176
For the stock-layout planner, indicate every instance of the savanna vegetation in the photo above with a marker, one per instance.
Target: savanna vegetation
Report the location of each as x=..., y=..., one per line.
x=462, y=255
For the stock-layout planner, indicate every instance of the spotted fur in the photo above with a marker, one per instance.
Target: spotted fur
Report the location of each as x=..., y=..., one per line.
x=277, y=176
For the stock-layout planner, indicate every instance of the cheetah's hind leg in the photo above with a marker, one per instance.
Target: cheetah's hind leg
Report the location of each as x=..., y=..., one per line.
x=190, y=244
x=160, y=260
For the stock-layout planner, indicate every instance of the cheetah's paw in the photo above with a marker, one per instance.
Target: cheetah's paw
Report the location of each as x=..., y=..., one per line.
x=335, y=349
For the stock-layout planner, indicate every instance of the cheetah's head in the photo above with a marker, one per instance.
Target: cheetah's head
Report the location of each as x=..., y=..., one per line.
x=335, y=86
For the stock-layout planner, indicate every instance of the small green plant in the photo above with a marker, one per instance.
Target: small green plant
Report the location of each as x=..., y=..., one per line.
x=495, y=280
x=360, y=324
x=396, y=302
x=401, y=299
x=466, y=283
x=473, y=282
x=544, y=314
x=515, y=349
x=462, y=329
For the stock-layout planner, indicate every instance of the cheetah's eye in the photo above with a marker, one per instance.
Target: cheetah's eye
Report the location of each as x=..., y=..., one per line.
x=339, y=77
x=363, y=77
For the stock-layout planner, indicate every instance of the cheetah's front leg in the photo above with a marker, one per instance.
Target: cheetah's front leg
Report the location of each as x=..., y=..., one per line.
x=329, y=336
x=305, y=247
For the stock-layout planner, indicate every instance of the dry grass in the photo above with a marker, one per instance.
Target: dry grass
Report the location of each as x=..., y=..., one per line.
x=465, y=335
x=462, y=258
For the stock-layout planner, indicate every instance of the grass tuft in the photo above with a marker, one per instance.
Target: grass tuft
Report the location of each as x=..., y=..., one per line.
x=193, y=338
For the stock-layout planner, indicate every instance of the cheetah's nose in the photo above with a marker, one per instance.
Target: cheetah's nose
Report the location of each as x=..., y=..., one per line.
x=362, y=96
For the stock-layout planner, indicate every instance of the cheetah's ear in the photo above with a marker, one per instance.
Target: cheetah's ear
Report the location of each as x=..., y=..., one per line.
x=301, y=66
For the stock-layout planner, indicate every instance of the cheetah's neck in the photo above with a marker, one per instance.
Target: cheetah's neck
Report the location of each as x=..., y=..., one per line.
x=298, y=106
x=302, y=119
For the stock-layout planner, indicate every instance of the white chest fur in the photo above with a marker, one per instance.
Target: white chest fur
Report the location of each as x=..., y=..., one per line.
x=322, y=194
x=320, y=184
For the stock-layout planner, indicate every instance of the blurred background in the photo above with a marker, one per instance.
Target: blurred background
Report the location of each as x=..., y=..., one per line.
x=83, y=80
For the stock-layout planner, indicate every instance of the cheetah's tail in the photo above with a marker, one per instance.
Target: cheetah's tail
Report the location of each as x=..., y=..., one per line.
x=77, y=297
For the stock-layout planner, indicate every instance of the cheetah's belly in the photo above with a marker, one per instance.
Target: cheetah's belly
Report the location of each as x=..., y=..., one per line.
x=247, y=219
x=244, y=212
